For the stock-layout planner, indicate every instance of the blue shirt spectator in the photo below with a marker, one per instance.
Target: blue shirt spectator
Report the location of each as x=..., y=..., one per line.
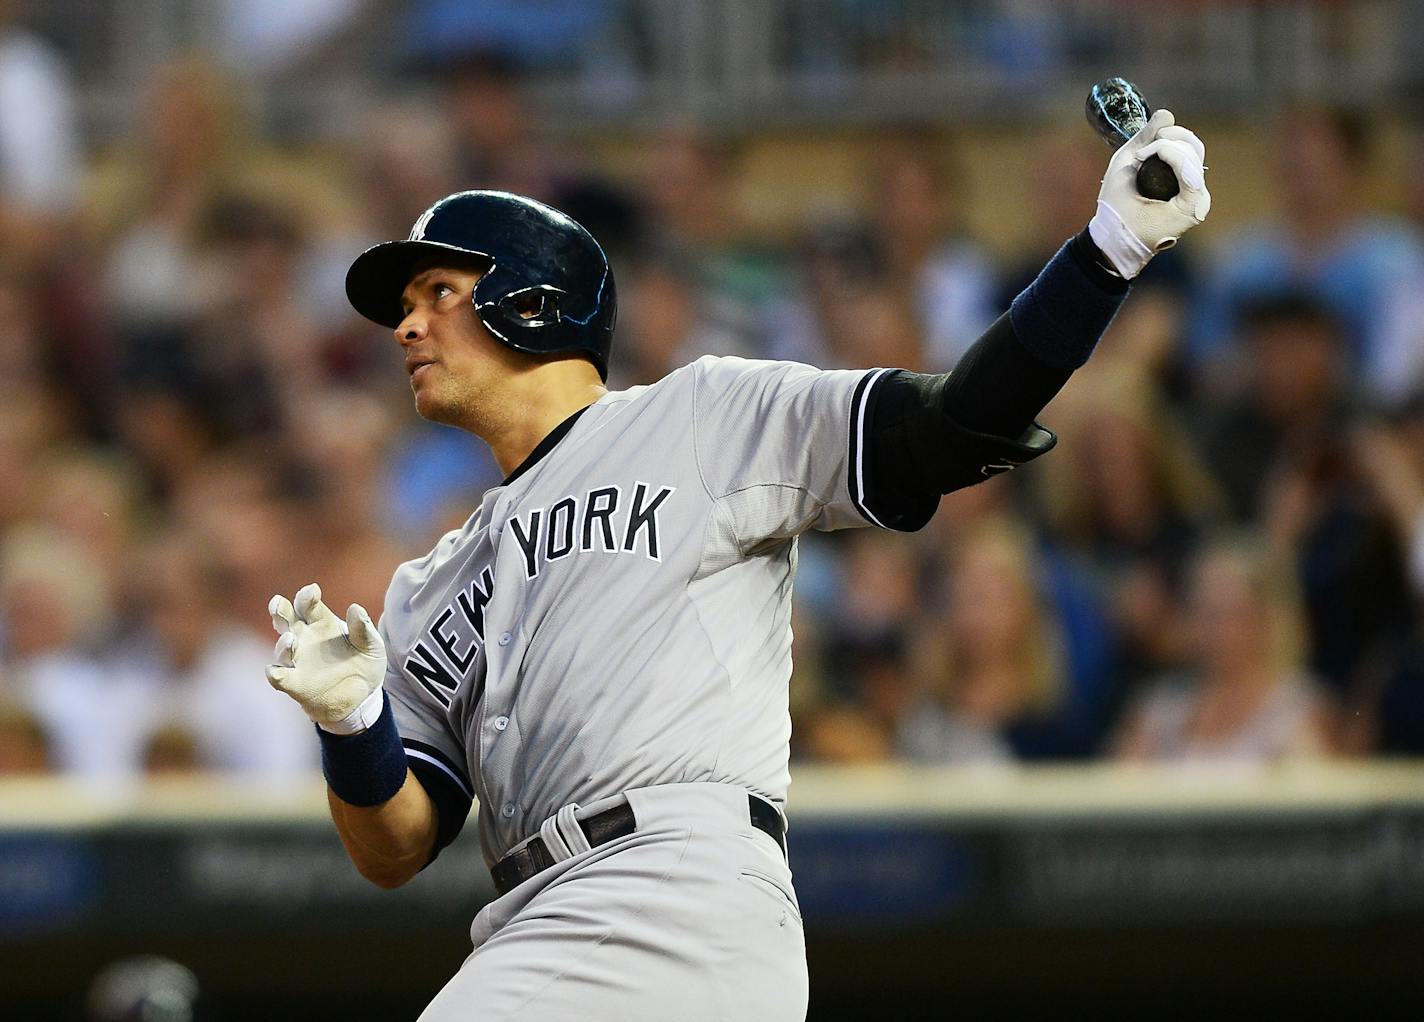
x=1360, y=265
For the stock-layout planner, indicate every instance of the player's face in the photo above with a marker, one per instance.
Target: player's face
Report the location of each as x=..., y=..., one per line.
x=449, y=354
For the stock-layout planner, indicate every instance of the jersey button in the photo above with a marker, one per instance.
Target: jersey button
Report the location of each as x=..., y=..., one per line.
x=508, y=810
x=505, y=638
x=501, y=722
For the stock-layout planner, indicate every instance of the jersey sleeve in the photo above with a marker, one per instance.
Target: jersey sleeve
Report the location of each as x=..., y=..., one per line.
x=781, y=446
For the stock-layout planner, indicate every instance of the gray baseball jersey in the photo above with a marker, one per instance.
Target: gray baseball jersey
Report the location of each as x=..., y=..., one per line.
x=617, y=614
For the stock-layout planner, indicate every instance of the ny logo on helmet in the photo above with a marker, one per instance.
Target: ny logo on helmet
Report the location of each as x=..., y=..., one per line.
x=417, y=232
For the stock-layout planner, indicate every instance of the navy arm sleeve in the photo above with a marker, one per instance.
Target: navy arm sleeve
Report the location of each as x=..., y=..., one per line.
x=452, y=806
x=930, y=435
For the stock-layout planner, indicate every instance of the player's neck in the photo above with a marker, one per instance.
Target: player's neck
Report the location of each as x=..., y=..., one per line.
x=533, y=404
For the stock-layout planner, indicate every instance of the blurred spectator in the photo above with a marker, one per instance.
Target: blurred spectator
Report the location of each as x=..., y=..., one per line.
x=57, y=613
x=686, y=180
x=669, y=322
x=495, y=137
x=343, y=508
x=1404, y=329
x=693, y=215
x=1325, y=241
x=839, y=261
x=1349, y=561
x=213, y=706
x=939, y=270
x=1281, y=449
x=24, y=434
x=1291, y=395
x=1060, y=188
x=1128, y=498
x=256, y=353
x=992, y=678
x=848, y=311
x=23, y=364
x=1391, y=460
x=405, y=161
x=172, y=750
x=167, y=432
x=193, y=147
x=38, y=363
x=91, y=497
x=254, y=541
x=868, y=612
x=885, y=332
x=24, y=744
x=41, y=158
x=1388, y=699
x=1244, y=697
x=494, y=147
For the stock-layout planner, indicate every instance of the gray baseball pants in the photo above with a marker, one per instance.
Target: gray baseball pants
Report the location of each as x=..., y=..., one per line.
x=691, y=917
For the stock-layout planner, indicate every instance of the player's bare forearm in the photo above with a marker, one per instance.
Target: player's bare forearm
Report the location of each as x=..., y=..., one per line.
x=389, y=843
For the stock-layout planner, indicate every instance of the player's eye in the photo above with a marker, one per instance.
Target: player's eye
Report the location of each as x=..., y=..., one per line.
x=441, y=290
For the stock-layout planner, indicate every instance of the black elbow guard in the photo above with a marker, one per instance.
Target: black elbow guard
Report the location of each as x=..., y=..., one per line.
x=930, y=435
x=968, y=457
x=948, y=456
x=918, y=452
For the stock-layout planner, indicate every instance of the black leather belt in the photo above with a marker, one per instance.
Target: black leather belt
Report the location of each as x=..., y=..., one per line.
x=601, y=828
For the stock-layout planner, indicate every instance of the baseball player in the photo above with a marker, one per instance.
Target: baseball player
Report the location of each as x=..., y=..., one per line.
x=600, y=654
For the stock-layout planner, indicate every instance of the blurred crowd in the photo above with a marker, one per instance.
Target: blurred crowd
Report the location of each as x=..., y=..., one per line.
x=1221, y=562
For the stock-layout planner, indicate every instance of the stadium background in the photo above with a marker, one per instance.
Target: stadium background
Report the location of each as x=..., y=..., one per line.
x=1125, y=731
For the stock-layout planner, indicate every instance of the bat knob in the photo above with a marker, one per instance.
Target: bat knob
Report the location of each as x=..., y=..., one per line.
x=1155, y=179
x=1117, y=110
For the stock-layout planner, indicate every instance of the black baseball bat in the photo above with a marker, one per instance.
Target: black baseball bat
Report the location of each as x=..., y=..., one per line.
x=1117, y=110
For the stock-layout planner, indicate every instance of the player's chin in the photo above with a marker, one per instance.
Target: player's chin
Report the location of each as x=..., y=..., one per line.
x=428, y=404
x=432, y=405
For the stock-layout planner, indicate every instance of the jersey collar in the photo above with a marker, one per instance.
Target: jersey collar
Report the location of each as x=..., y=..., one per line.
x=545, y=446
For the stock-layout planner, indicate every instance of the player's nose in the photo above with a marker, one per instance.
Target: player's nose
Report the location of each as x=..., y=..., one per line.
x=411, y=329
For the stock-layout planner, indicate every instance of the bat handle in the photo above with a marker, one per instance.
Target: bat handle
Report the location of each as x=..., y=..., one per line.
x=1155, y=179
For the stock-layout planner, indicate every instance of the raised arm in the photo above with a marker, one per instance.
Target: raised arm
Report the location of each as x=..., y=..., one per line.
x=930, y=435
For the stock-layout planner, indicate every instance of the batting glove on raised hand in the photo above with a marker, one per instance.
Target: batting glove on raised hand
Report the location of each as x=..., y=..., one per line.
x=333, y=668
x=1130, y=229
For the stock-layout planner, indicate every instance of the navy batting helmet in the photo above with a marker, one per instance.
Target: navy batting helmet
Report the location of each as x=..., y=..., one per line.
x=549, y=289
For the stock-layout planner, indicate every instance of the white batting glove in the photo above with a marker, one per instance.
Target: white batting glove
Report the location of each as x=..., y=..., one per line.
x=334, y=669
x=1130, y=229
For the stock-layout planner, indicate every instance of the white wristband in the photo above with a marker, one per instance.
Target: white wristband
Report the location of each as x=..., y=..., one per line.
x=359, y=719
x=1125, y=250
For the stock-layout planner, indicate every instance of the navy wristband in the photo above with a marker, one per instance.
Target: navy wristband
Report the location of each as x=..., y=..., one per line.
x=368, y=768
x=1061, y=315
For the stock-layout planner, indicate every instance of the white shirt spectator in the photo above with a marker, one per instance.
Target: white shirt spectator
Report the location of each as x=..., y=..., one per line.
x=40, y=156
x=94, y=716
x=239, y=724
